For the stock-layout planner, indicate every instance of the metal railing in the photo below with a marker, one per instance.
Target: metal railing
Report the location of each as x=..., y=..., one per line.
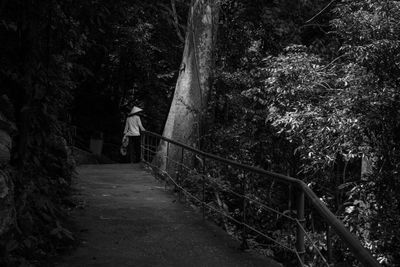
x=257, y=195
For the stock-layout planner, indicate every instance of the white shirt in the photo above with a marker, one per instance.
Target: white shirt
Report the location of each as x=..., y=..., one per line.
x=133, y=126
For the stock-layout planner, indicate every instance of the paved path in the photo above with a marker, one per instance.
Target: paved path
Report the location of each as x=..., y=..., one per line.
x=130, y=220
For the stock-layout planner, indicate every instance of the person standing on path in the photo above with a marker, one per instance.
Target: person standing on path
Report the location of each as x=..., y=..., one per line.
x=133, y=126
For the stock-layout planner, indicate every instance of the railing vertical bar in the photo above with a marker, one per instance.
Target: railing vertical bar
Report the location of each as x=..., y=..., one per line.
x=244, y=244
x=204, y=187
x=181, y=173
x=166, y=165
x=167, y=156
x=142, y=147
x=290, y=208
x=147, y=141
x=329, y=244
x=150, y=145
x=154, y=147
x=300, y=217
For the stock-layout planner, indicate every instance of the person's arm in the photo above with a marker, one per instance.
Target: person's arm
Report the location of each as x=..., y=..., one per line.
x=126, y=127
x=140, y=125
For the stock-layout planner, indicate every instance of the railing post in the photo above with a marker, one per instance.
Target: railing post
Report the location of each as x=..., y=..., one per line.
x=244, y=244
x=300, y=233
x=329, y=244
x=141, y=147
x=290, y=199
x=148, y=147
x=180, y=174
x=203, y=178
x=153, y=148
x=166, y=165
x=290, y=206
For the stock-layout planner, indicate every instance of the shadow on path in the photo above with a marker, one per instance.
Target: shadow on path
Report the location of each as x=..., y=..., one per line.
x=130, y=220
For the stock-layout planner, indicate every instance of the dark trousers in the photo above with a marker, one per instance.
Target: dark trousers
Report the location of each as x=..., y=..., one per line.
x=134, y=149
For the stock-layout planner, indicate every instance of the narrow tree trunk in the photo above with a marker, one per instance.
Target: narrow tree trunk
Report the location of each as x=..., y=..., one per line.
x=184, y=123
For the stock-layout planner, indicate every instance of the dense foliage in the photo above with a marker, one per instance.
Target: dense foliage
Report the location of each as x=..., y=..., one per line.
x=82, y=63
x=317, y=101
x=37, y=77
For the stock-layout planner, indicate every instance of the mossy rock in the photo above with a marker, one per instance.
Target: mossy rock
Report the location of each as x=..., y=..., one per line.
x=5, y=147
x=7, y=128
x=7, y=209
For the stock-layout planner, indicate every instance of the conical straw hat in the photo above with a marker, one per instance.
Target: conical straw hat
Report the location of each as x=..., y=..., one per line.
x=135, y=110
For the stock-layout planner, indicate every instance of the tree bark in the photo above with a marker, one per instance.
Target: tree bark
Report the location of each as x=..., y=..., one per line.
x=184, y=123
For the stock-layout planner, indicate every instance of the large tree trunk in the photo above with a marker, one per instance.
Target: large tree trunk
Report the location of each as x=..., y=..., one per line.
x=184, y=123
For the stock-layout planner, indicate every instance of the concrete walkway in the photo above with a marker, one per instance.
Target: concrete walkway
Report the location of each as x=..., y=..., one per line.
x=130, y=220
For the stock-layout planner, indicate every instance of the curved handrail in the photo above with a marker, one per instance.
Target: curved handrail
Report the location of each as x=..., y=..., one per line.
x=361, y=253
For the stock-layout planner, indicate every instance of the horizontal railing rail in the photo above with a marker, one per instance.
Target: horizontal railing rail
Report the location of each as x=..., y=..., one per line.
x=150, y=147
